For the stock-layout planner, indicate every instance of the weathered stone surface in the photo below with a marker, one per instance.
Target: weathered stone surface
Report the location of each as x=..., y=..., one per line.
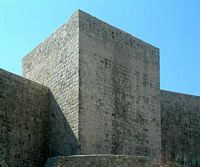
x=55, y=63
x=100, y=161
x=103, y=98
x=180, y=116
x=119, y=91
x=105, y=82
x=23, y=121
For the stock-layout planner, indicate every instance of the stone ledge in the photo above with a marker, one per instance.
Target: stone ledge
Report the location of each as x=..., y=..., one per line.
x=100, y=160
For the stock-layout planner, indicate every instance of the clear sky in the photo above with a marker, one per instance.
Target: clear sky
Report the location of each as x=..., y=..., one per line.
x=171, y=25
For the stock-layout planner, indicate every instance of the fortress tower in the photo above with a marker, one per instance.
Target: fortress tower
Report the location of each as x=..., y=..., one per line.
x=106, y=83
x=90, y=96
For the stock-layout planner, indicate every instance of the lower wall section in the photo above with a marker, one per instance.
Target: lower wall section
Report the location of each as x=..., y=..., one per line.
x=100, y=161
x=180, y=126
x=23, y=122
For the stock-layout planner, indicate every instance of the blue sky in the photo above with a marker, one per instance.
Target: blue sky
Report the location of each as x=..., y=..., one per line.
x=171, y=25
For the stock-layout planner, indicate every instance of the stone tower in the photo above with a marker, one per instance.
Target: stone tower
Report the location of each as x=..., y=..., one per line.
x=105, y=82
x=90, y=96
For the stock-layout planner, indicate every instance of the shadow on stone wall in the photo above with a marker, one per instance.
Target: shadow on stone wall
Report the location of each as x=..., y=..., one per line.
x=60, y=137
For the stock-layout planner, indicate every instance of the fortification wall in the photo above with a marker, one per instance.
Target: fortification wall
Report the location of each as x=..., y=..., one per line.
x=180, y=117
x=119, y=91
x=55, y=64
x=23, y=121
x=105, y=82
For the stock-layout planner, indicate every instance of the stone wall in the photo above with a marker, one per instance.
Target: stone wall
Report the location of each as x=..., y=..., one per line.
x=106, y=84
x=119, y=91
x=100, y=161
x=55, y=64
x=104, y=98
x=180, y=116
x=23, y=122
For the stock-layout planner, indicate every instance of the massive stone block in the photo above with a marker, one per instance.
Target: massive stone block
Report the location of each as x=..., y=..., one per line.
x=180, y=116
x=23, y=121
x=105, y=82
